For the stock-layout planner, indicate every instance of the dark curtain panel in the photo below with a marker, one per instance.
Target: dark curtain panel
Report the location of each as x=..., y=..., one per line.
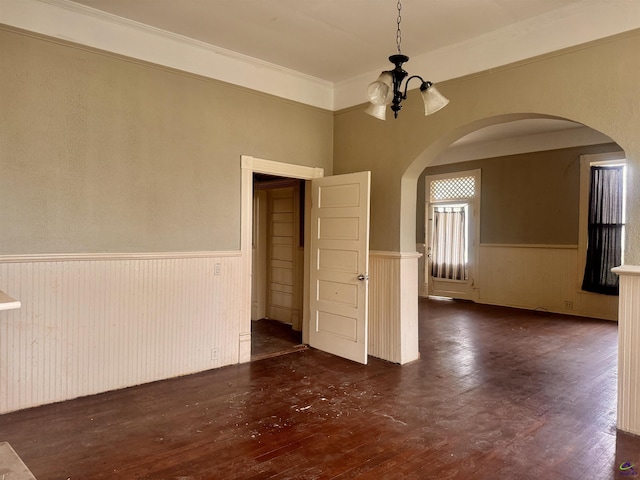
x=604, y=247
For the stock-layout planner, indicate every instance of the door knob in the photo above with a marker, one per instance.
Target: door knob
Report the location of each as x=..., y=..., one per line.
x=363, y=277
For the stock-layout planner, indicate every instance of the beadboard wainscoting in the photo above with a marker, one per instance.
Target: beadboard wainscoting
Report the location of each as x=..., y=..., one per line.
x=542, y=277
x=393, y=306
x=628, y=352
x=94, y=323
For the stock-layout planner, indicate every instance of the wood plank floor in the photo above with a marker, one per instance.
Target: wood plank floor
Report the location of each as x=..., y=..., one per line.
x=498, y=394
x=271, y=337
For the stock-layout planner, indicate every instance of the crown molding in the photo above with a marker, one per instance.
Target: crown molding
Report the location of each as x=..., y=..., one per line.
x=557, y=30
x=87, y=26
x=560, y=29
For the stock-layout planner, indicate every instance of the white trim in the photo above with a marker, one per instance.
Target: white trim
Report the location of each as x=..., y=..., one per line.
x=633, y=270
x=249, y=166
x=86, y=257
x=260, y=165
x=556, y=30
x=583, y=214
x=389, y=254
x=69, y=21
x=8, y=303
x=553, y=31
x=528, y=245
x=474, y=232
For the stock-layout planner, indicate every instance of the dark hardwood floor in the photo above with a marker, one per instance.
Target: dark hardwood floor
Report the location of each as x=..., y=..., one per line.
x=271, y=338
x=498, y=394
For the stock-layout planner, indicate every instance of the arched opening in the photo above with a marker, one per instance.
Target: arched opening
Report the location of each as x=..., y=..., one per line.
x=538, y=261
x=525, y=250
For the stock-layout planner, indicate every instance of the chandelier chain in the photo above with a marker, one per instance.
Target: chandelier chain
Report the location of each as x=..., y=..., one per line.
x=399, y=32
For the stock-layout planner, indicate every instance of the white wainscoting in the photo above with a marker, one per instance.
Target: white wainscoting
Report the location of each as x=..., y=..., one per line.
x=533, y=276
x=423, y=286
x=542, y=277
x=628, y=352
x=393, y=306
x=90, y=324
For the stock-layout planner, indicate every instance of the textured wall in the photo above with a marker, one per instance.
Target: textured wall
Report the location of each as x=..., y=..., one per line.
x=530, y=198
x=563, y=84
x=106, y=154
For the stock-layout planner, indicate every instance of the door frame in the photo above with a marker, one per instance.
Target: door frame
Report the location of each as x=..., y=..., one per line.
x=461, y=289
x=249, y=166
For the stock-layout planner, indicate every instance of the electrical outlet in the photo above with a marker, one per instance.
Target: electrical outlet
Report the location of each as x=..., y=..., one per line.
x=214, y=354
x=568, y=304
x=217, y=269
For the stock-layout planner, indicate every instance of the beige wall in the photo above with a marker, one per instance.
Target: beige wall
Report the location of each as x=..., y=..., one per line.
x=106, y=154
x=132, y=172
x=100, y=153
x=528, y=255
x=595, y=84
x=529, y=198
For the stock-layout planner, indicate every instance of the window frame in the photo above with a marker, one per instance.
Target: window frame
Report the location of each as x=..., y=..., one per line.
x=586, y=162
x=466, y=288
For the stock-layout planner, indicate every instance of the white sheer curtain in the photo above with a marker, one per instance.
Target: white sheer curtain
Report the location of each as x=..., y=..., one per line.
x=449, y=243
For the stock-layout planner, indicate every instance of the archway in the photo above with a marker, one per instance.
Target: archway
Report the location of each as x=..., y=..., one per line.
x=409, y=201
x=531, y=215
x=409, y=180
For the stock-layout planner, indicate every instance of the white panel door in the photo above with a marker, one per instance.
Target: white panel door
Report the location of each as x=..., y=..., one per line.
x=281, y=268
x=340, y=264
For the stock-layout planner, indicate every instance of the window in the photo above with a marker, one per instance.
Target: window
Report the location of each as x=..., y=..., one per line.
x=452, y=188
x=449, y=242
x=604, y=225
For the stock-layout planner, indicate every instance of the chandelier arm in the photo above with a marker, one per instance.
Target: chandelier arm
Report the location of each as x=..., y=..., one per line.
x=406, y=85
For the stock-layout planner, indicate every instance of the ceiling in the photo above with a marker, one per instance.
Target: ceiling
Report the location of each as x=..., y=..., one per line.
x=325, y=52
x=333, y=40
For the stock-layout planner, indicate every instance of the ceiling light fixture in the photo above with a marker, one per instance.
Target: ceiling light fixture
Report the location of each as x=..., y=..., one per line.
x=387, y=89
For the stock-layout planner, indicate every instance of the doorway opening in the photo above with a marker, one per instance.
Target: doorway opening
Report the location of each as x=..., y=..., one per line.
x=337, y=278
x=452, y=233
x=277, y=265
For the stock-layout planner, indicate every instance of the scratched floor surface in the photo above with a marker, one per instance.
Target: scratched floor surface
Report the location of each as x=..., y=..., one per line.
x=271, y=337
x=498, y=394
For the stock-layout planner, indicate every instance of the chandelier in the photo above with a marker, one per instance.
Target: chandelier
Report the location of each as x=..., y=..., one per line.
x=387, y=89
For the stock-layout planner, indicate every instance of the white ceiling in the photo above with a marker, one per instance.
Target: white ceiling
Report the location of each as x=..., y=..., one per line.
x=325, y=52
x=332, y=40
x=516, y=129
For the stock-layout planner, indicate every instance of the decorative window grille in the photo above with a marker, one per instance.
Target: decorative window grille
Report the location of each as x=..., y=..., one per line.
x=452, y=188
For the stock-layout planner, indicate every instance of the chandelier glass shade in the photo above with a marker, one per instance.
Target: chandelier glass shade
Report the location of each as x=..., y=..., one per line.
x=388, y=88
